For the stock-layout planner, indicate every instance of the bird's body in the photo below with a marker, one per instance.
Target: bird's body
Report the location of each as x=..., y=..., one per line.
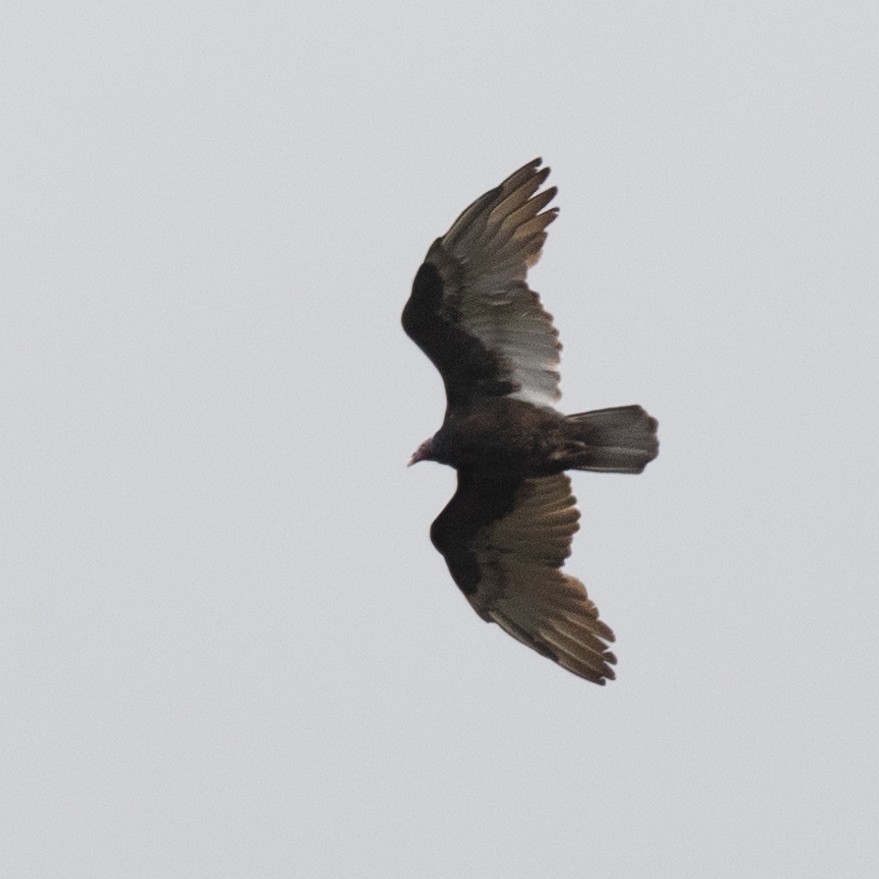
x=505, y=435
x=507, y=531
x=500, y=435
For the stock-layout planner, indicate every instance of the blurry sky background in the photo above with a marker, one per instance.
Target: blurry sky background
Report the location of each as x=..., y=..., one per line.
x=227, y=646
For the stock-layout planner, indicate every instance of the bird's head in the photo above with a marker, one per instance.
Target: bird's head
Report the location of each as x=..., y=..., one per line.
x=425, y=452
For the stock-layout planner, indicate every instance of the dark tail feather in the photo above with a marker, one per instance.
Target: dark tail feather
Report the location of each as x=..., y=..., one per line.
x=620, y=440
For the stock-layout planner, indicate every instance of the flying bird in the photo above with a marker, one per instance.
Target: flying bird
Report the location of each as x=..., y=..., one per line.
x=507, y=530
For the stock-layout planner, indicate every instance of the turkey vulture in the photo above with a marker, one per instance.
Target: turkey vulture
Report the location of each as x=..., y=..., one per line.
x=507, y=530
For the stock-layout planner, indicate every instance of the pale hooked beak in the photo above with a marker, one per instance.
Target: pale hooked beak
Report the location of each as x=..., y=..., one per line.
x=420, y=454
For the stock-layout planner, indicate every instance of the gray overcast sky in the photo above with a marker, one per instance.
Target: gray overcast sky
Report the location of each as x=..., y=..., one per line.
x=228, y=647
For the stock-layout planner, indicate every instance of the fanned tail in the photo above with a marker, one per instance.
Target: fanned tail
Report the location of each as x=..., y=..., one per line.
x=618, y=440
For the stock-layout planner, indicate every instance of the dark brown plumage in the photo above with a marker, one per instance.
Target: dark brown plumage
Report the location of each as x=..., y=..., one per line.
x=507, y=531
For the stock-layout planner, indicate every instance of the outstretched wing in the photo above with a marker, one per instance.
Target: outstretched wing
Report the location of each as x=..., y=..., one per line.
x=470, y=309
x=505, y=543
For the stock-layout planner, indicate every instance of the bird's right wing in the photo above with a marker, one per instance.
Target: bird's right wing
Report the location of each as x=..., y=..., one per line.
x=505, y=542
x=471, y=310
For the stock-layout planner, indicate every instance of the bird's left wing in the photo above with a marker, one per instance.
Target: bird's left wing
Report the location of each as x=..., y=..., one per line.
x=505, y=543
x=471, y=310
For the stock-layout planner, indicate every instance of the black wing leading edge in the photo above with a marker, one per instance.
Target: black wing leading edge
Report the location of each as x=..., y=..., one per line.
x=471, y=310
